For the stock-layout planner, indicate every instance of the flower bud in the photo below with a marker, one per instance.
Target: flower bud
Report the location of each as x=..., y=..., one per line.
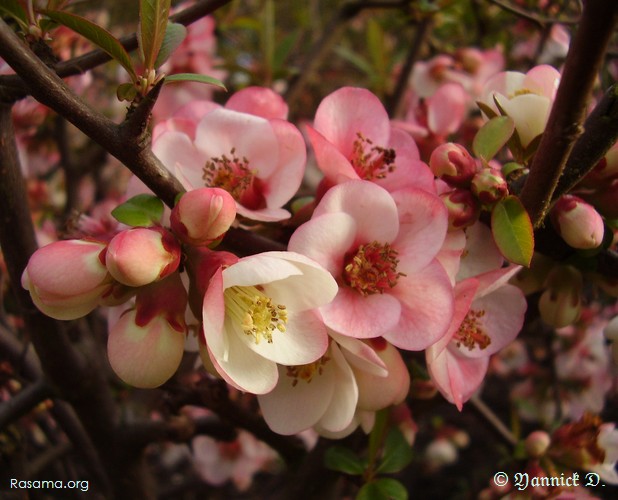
x=489, y=186
x=202, y=215
x=463, y=208
x=537, y=444
x=141, y=255
x=453, y=164
x=560, y=303
x=66, y=279
x=579, y=224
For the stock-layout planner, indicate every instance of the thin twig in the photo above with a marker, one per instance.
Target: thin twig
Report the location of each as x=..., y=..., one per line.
x=23, y=402
x=487, y=413
x=541, y=21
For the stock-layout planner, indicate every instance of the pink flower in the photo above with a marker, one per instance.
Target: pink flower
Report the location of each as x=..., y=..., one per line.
x=488, y=315
x=353, y=139
x=527, y=98
x=260, y=312
x=259, y=161
x=67, y=279
x=381, y=248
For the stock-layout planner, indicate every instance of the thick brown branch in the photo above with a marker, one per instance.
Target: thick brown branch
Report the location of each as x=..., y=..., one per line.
x=564, y=125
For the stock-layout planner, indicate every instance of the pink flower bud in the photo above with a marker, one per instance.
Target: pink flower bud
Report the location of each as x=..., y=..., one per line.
x=141, y=255
x=202, y=215
x=453, y=164
x=537, y=444
x=489, y=186
x=579, y=224
x=66, y=279
x=560, y=303
x=463, y=208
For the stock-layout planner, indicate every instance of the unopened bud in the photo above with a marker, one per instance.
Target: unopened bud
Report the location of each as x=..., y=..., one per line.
x=141, y=255
x=537, y=444
x=489, y=186
x=463, y=208
x=203, y=215
x=579, y=224
x=560, y=303
x=453, y=164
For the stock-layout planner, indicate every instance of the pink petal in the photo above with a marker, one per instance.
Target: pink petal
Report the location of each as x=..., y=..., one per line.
x=348, y=111
x=259, y=101
x=177, y=152
x=426, y=308
x=543, y=80
x=258, y=269
x=361, y=317
x=371, y=206
x=336, y=167
x=251, y=137
x=481, y=254
x=213, y=316
x=360, y=355
x=450, y=253
x=446, y=109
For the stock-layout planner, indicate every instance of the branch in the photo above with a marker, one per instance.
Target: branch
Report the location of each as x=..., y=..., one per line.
x=487, y=413
x=564, y=125
x=21, y=403
x=541, y=21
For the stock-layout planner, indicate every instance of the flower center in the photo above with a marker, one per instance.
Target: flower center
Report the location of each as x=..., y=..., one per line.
x=471, y=333
x=306, y=372
x=231, y=174
x=371, y=162
x=257, y=315
x=372, y=268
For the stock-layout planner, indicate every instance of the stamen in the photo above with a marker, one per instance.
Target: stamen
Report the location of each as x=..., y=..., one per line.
x=371, y=162
x=231, y=174
x=471, y=333
x=306, y=372
x=256, y=313
x=372, y=268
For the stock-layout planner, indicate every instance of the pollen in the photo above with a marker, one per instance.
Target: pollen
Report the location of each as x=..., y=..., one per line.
x=471, y=333
x=370, y=161
x=372, y=268
x=306, y=372
x=229, y=173
x=255, y=313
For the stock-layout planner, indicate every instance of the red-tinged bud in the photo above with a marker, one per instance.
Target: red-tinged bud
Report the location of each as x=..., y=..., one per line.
x=453, y=164
x=537, y=444
x=605, y=199
x=66, y=279
x=560, y=303
x=463, y=208
x=489, y=186
x=575, y=445
x=141, y=255
x=203, y=215
x=579, y=224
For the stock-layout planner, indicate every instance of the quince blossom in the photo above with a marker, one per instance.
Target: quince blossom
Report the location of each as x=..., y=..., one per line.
x=381, y=248
x=246, y=148
x=261, y=312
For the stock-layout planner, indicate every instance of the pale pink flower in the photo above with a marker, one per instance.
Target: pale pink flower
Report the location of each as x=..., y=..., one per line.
x=67, y=279
x=353, y=139
x=488, y=315
x=526, y=98
x=259, y=161
x=381, y=248
x=261, y=312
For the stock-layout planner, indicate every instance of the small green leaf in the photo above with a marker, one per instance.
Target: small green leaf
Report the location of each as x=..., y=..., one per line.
x=383, y=489
x=153, y=15
x=510, y=167
x=532, y=147
x=376, y=437
x=397, y=453
x=15, y=10
x=487, y=110
x=282, y=50
x=512, y=230
x=492, y=136
x=174, y=35
x=97, y=35
x=357, y=60
x=142, y=210
x=194, y=77
x=126, y=92
x=344, y=460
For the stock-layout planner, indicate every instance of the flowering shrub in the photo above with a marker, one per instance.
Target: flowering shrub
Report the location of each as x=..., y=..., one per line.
x=369, y=274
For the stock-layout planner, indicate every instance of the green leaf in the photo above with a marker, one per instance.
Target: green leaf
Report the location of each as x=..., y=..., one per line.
x=397, y=453
x=174, y=35
x=377, y=433
x=283, y=50
x=153, y=15
x=15, y=10
x=97, y=35
x=512, y=230
x=194, y=77
x=510, y=167
x=532, y=147
x=344, y=460
x=126, y=92
x=383, y=489
x=492, y=136
x=357, y=60
x=142, y=210
x=487, y=110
